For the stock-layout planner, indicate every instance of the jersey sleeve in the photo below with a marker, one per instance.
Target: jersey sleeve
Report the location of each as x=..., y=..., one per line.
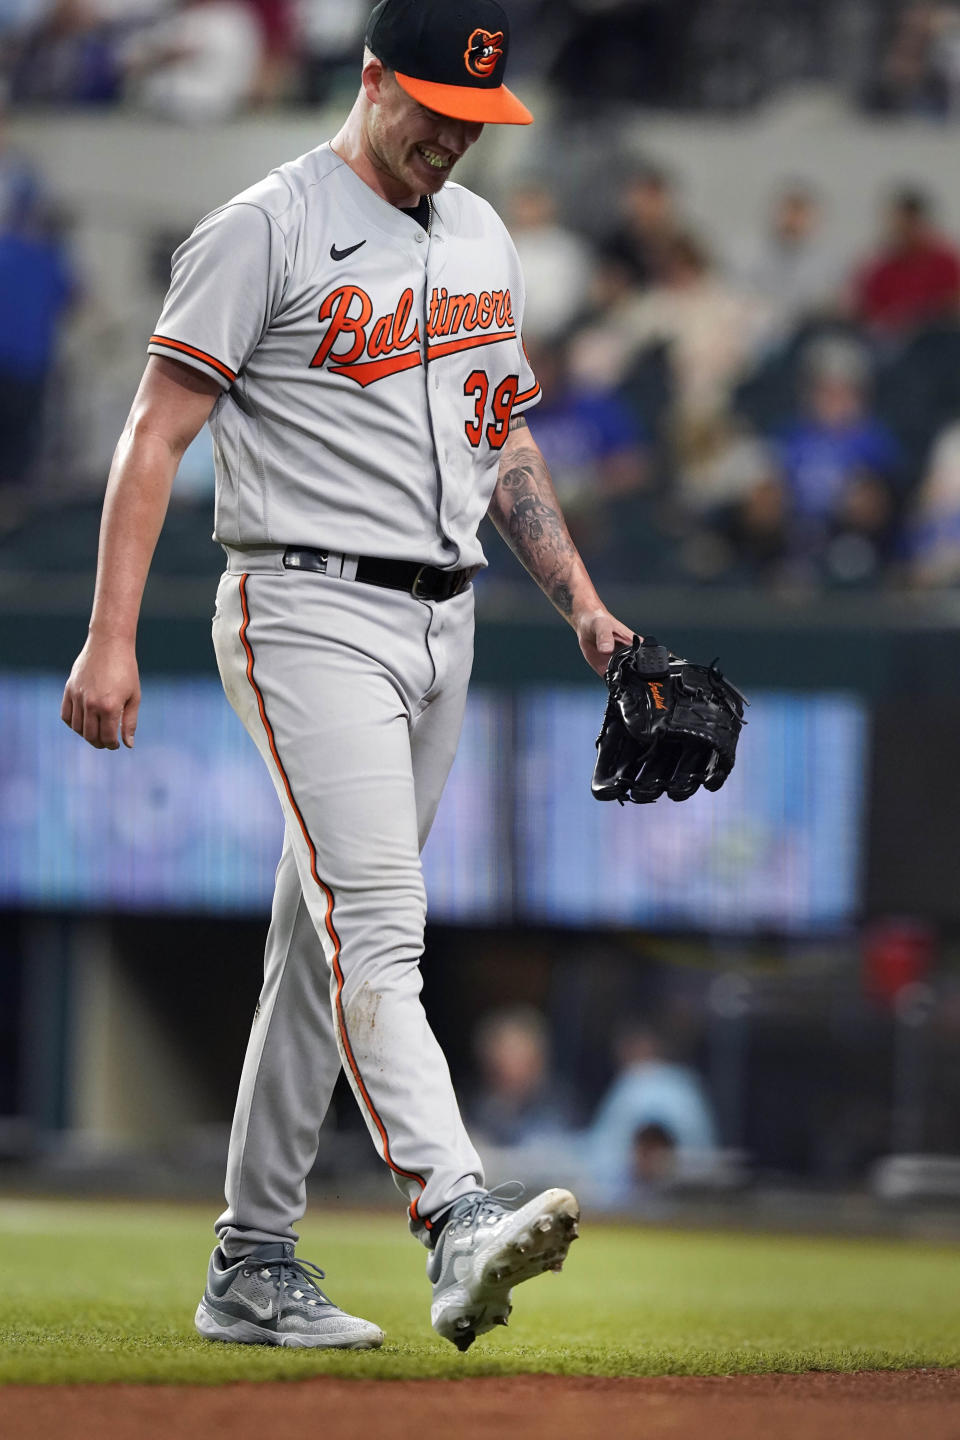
x=227, y=282
x=528, y=390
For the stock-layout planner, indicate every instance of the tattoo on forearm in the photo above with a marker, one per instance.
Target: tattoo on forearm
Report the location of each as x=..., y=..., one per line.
x=519, y=477
x=563, y=599
x=529, y=518
x=518, y=423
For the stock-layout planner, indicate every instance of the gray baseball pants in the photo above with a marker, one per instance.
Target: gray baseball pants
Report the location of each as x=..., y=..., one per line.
x=354, y=696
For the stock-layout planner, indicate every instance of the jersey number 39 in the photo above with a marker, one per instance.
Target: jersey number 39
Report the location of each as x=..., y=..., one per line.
x=477, y=388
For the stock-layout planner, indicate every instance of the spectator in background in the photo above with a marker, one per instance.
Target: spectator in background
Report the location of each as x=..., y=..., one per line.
x=838, y=472
x=557, y=263
x=519, y=1100
x=789, y=269
x=920, y=71
x=654, y=1114
x=648, y=226
x=599, y=344
x=202, y=63
x=330, y=31
x=720, y=467
x=597, y=457
x=914, y=277
x=675, y=351
x=36, y=287
x=67, y=56
x=708, y=326
x=279, y=36
x=933, y=528
x=654, y=1157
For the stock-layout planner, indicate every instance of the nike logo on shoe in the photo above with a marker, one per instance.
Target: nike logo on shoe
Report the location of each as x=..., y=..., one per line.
x=336, y=254
x=263, y=1312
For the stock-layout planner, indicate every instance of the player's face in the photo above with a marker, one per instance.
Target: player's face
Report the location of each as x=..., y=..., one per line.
x=414, y=149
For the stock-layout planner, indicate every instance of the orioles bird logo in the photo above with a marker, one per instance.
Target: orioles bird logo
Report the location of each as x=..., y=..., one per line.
x=484, y=50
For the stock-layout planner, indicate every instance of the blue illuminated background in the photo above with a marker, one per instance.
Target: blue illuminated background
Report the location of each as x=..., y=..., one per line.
x=189, y=821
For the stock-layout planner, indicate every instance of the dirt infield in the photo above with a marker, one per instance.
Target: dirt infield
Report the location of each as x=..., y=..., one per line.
x=889, y=1405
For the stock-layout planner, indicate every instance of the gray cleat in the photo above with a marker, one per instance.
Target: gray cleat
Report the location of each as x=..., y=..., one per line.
x=271, y=1298
x=486, y=1248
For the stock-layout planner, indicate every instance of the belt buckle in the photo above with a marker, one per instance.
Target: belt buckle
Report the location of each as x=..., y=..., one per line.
x=449, y=583
x=415, y=589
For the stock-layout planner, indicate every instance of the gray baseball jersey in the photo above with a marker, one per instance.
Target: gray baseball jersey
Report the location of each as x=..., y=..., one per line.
x=369, y=370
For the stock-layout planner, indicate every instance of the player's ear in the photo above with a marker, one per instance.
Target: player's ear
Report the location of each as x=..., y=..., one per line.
x=374, y=77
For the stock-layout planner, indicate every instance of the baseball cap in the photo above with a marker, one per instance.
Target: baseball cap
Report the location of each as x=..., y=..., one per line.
x=450, y=55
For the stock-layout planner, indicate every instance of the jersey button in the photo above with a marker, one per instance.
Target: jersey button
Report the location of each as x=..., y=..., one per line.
x=420, y=237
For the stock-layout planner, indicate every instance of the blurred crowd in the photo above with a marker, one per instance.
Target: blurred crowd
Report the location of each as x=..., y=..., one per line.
x=760, y=416
x=191, y=61
x=37, y=290
x=918, y=70
x=652, y=1131
x=752, y=409
x=196, y=60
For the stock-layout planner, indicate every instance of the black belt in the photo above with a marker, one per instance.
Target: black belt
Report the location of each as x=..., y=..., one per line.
x=426, y=582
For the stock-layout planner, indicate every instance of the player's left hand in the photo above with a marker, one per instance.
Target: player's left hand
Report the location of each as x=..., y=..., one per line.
x=670, y=726
x=599, y=633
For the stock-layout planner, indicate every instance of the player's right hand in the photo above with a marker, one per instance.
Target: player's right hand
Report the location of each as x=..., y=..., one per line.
x=101, y=700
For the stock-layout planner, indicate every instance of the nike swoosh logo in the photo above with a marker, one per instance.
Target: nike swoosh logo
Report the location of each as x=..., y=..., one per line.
x=263, y=1312
x=336, y=254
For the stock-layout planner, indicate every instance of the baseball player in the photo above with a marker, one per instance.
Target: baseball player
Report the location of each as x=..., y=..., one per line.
x=350, y=328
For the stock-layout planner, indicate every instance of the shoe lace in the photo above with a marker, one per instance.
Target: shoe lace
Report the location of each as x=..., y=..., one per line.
x=289, y=1274
x=472, y=1208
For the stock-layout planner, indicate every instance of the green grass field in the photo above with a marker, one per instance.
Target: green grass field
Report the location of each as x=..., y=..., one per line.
x=97, y=1292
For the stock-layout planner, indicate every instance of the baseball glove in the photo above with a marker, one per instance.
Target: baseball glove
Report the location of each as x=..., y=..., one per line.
x=670, y=726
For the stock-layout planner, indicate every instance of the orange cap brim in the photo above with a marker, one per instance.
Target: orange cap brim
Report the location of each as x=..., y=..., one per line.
x=468, y=102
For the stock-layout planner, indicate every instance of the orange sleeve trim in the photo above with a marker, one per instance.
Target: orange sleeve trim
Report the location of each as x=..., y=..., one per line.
x=328, y=918
x=527, y=395
x=197, y=355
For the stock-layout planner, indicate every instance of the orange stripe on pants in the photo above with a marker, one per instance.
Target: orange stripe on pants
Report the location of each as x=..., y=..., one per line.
x=328, y=918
